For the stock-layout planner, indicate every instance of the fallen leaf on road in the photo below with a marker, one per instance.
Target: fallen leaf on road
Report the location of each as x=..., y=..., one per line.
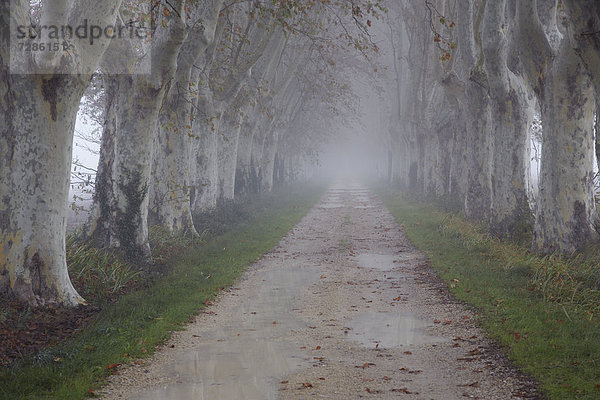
x=112, y=366
x=365, y=365
x=404, y=390
x=474, y=352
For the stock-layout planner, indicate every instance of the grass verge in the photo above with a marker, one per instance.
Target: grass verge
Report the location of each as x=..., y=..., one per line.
x=545, y=311
x=133, y=325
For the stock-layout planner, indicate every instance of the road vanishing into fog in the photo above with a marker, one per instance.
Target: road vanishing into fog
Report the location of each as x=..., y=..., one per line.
x=343, y=308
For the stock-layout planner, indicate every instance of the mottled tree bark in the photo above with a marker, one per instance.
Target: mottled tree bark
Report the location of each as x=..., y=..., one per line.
x=171, y=188
x=478, y=197
x=584, y=34
x=136, y=118
x=475, y=106
x=100, y=223
x=566, y=213
x=268, y=161
x=511, y=117
x=256, y=157
x=227, y=148
x=37, y=120
x=37, y=124
x=244, y=156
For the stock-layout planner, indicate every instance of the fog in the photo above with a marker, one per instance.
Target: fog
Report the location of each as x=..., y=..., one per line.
x=307, y=142
x=391, y=98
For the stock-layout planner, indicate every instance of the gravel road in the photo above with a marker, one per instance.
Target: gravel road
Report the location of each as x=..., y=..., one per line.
x=343, y=308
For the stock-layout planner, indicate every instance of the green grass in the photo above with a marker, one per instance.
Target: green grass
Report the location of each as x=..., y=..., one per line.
x=132, y=326
x=99, y=275
x=544, y=311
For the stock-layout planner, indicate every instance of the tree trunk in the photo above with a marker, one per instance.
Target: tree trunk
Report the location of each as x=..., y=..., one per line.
x=37, y=123
x=136, y=116
x=205, y=177
x=101, y=219
x=566, y=214
x=584, y=25
x=205, y=170
x=256, y=158
x=170, y=188
x=479, y=154
x=597, y=132
x=511, y=117
x=37, y=120
x=122, y=198
x=268, y=161
x=227, y=140
x=458, y=163
x=390, y=166
x=137, y=119
x=242, y=175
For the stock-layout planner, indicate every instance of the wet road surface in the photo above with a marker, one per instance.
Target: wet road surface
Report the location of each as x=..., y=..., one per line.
x=343, y=308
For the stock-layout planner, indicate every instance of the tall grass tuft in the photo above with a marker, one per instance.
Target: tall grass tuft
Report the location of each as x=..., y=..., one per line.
x=99, y=275
x=559, y=279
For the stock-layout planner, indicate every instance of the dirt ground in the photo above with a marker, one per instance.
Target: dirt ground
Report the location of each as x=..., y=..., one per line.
x=343, y=308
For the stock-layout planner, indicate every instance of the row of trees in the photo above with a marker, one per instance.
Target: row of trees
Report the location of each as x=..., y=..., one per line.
x=226, y=107
x=470, y=77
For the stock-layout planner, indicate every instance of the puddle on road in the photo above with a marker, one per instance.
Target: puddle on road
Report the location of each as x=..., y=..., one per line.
x=247, y=358
x=390, y=330
x=383, y=262
x=331, y=205
x=333, y=199
x=232, y=370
